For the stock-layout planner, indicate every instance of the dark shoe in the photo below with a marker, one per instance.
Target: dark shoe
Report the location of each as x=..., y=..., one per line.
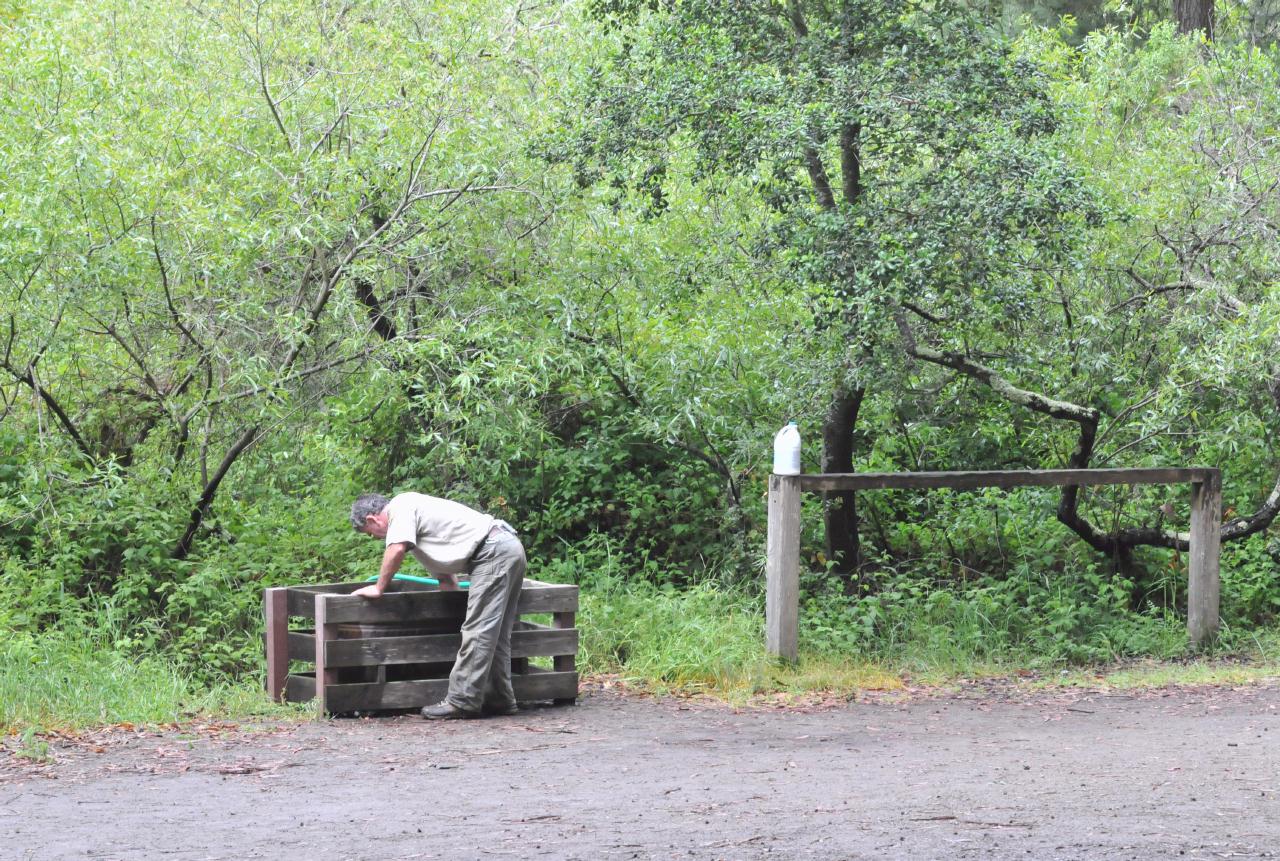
x=501, y=711
x=446, y=711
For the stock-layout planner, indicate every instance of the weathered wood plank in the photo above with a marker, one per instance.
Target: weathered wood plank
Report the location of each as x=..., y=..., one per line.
x=566, y=660
x=999, y=478
x=415, y=694
x=299, y=688
x=410, y=606
x=302, y=645
x=548, y=598
x=302, y=597
x=325, y=677
x=1203, y=576
x=782, y=567
x=376, y=651
x=276, y=611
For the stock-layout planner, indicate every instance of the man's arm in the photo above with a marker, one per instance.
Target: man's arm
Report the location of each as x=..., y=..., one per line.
x=392, y=559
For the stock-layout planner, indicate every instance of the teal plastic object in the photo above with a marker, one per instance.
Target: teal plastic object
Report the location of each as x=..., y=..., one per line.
x=431, y=581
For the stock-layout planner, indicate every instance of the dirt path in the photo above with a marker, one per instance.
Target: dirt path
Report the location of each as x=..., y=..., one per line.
x=989, y=773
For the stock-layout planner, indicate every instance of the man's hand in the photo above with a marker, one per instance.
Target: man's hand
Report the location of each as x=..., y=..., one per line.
x=448, y=583
x=391, y=560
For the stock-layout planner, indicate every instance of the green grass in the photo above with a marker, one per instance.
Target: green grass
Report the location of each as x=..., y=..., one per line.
x=711, y=640
x=705, y=639
x=64, y=682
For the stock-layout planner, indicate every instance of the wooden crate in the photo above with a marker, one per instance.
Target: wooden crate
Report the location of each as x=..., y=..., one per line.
x=358, y=669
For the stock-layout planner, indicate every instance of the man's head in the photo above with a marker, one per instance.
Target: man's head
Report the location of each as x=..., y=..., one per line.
x=369, y=514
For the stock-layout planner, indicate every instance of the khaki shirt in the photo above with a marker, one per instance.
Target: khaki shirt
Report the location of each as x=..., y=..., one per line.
x=442, y=534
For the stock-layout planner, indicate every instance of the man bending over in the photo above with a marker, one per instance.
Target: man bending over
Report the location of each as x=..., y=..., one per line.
x=449, y=539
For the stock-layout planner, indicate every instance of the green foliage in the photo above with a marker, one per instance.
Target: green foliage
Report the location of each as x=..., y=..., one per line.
x=1028, y=619
x=701, y=636
x=1251, y=583
x=77, y=679
x=574, y=264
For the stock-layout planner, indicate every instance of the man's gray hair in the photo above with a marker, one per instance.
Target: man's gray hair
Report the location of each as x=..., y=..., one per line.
x=366, y=504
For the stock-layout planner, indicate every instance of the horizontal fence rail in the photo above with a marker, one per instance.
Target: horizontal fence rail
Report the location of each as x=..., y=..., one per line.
x=1001, y=478
x=782, y=566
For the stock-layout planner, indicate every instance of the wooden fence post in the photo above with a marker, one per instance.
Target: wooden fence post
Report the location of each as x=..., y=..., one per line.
x=1203, y=566
x=782, y=567
x=564, y=663
x=324, y=633
x=276, y=610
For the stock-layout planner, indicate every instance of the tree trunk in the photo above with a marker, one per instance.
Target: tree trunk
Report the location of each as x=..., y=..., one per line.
x=840, y=514
x=1192, y=15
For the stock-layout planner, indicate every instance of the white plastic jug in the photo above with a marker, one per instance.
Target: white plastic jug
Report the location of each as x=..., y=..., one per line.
x=786, y=450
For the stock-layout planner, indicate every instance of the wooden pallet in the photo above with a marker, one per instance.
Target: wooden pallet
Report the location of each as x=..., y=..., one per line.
x=357, y=668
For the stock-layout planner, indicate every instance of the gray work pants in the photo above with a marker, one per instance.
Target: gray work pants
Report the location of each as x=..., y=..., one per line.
x=482, y=674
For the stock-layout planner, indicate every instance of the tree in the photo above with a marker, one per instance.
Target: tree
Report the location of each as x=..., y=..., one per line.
x=1193, y=15
x=209, y=227
x=896, y=146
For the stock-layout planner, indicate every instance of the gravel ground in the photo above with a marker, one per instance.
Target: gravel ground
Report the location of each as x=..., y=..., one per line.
x=989, y=771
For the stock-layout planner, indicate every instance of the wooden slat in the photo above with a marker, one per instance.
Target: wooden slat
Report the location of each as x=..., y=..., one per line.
x=325, y=676
x=566, y=661
x=386, y=695
x=376, y=651
x=301, y=598
x=1203, y=578
x=999, y=478
x=275, y=608
x=782, y=567
x=415, y=694
x=410, y=606
x=299, y=688
x=391, y=607
x=538, y=684
x=302, y=645
x=548, y=598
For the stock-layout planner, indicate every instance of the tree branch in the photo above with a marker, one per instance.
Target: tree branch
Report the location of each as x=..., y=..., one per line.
x=851, y=161
x=183, y=548
x=1086, y=417
x=28, y=376
x=818, y=176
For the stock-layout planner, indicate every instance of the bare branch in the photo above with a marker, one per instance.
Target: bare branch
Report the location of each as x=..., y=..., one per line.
x=168, y=294
x=320, y=141
x=256, y=43
x=998, y=384
x=1086, y=417
x=29, y=378
x=1152, y=290
x=818, y=177
x=183, y=548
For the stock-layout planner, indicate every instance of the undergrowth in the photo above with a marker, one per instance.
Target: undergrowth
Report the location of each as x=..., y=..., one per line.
x=74, y=680
x=97, y=668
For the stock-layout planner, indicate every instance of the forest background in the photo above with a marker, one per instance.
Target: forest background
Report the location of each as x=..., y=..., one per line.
x=574, y=262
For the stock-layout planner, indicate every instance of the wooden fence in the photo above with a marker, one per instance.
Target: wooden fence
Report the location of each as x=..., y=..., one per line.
x=357, y=668
x=782, y=566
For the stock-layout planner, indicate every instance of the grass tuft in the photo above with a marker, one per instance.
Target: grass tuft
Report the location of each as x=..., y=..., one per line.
x=57, y=681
